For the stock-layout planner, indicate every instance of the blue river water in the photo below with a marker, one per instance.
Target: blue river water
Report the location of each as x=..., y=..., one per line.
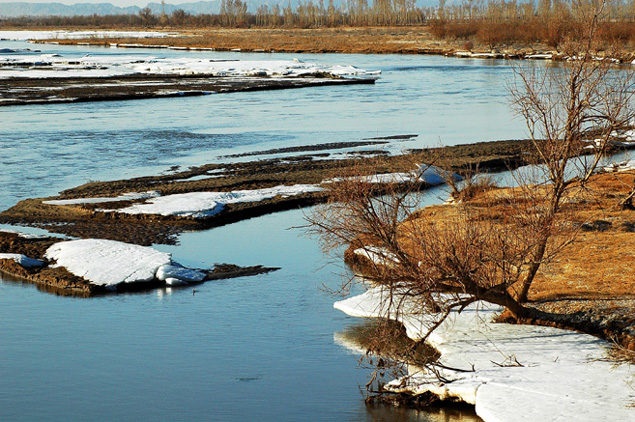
x=256, y=348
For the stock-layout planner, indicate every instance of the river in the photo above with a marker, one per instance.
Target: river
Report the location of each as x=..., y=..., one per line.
x=256, y=348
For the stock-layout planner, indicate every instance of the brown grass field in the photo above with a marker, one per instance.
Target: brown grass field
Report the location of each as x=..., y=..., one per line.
x=369, y=40
x=597, y=264
x=354, y=40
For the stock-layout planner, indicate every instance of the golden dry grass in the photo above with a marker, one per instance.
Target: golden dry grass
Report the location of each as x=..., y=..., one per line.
x=380, y=40
x=599, y=263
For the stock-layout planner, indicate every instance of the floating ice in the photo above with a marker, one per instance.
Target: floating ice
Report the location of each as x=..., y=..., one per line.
x=564, y=375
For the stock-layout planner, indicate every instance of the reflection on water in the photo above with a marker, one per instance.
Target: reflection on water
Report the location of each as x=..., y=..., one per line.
x=385, y=339
x=453, y=413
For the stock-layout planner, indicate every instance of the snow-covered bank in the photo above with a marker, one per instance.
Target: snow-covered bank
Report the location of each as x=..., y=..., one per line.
x=192, y=204
x=431, y=175
x=23, y=260
x=109, y=263
x=57, y=66
x=564, y=375
x=76, y=35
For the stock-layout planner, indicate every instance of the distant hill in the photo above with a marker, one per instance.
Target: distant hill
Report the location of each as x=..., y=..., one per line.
x=16, y=9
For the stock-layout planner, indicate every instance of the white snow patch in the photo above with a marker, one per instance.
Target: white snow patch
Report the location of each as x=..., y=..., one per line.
x=564, y=375
x=621, y=166
x=429, y=174
x=53, y=66
x=108, y=262
x=206, y=204
x=377, y=255
x=547, y=56
x=69, y=35
x=23, y=260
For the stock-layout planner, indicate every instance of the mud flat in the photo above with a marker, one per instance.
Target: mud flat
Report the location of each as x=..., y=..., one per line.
x=24, y=91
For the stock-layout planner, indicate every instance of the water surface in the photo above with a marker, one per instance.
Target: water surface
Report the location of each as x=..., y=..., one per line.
x=255, y=348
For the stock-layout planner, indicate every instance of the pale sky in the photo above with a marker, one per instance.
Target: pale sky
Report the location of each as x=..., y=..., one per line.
x=120, y=3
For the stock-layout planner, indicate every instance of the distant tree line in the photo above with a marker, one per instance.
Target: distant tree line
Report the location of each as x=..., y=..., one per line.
x=489, y=22
x=501, y=22
x=234, y=13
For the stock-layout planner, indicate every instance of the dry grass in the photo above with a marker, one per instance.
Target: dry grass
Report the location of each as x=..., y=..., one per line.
x=598, y=264
x=380, y=40
x=357, y=40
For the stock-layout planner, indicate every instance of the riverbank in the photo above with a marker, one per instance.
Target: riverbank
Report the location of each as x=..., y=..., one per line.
x=587, y=285
x=516, y=368
x=508, y=372
x=370, y=40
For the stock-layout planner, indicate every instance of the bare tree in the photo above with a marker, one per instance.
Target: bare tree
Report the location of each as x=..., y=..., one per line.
x=491, y=248
x=147, y=17
x=568, y=109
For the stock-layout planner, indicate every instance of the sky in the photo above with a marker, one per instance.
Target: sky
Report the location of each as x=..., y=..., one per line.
x=120, y=3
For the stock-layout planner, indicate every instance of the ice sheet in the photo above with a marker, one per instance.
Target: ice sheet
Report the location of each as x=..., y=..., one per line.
x=564, y=375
